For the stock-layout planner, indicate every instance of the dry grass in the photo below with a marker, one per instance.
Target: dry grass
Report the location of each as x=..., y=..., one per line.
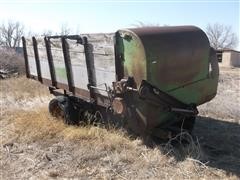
x=226, y=105
x=50, y=148
x=44, y=126
x=10, y=60
x=22, y=93
x=22, y=89
x=38, y=146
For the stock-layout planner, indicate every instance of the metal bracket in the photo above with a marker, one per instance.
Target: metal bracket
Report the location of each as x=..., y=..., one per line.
x=169, y=103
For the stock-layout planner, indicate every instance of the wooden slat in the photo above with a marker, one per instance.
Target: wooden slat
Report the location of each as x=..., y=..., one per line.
x=68, y=65
x=26, y=57
x=90, y=67
x=35, y=48
x=103, y=57
x=50, y=62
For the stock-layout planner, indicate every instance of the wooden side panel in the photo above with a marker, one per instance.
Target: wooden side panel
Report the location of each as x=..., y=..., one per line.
x=104, y=59
x=104, y=63
x=43, y=59
x=79, y=67
x=58, y=61
x=31, y=58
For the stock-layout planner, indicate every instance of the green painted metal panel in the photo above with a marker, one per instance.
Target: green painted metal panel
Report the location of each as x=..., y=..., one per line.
x=174, y=59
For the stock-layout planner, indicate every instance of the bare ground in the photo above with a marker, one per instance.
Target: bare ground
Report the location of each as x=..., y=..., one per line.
x=35, y=145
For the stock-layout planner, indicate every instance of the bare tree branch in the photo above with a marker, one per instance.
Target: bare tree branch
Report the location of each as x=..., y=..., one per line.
x=65, y=30
x=11, y=33
x=221, y=36
x=47, y=33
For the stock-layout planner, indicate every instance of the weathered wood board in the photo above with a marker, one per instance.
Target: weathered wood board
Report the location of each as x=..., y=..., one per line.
x=104, y=62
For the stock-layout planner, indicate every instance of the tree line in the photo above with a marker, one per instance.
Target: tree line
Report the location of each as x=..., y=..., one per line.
x=220, y=36
x=11, y=33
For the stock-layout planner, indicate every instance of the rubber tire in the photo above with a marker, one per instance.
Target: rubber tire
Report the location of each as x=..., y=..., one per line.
x=71, y=115
x=61, y=107
x=55, y=108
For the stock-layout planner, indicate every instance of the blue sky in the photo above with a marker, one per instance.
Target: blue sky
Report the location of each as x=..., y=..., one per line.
x=108, y=16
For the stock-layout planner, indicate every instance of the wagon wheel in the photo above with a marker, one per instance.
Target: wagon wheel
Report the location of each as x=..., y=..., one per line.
x=56, y=109
x=61, y=107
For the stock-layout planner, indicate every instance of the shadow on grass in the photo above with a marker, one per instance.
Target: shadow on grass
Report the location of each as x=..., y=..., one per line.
x=216, y=143
x=220, y=143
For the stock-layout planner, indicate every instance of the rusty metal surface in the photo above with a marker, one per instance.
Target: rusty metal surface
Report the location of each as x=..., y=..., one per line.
x=173, y=59
x=176, y=61
x=157, y=30
x=118, y=105
x=175, y=55
x=133, y=60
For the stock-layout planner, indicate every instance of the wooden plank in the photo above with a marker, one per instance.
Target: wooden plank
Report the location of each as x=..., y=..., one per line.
x=35, y=48
x=68, y=65
x=26, y=57
x=103, y=55
x=50, y=62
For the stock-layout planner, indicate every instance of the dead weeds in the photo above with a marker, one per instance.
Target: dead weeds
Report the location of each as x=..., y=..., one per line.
x=38, y=146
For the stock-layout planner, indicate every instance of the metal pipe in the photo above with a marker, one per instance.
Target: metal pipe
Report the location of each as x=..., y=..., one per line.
x=132, y=89
x=184, y=111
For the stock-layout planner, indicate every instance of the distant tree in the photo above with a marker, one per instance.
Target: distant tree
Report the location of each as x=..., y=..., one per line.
x=65, y=30
x=31, y=33
x=221, y=36
x=47, y=33
x=11, y=33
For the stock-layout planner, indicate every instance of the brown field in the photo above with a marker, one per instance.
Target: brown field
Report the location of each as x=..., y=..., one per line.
x=37, y=146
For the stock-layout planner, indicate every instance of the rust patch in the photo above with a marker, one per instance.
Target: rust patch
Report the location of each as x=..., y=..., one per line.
x=118, y=105
x=175, y=55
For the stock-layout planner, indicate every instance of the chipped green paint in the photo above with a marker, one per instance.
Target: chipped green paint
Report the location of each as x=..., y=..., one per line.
x=175, y=60
x=175, y=63
x=134, y=56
